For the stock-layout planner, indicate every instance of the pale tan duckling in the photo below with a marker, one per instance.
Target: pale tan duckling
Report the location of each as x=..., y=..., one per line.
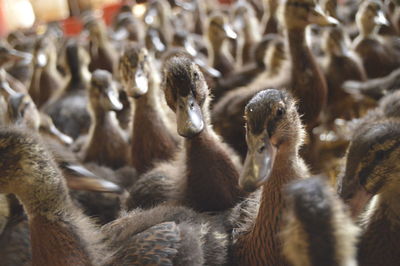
x=339, y=65
x=274, y=134
x=318, y=229
x=378, y=59
x=62, y=235
x=67, y=108
x=107, y=143
x=46, y=79
x=218, y=30
x=246, y=26
x=204, y=174
x=152, y=138
x=372, y=171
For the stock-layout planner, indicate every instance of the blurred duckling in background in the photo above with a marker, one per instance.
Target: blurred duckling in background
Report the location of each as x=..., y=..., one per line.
x=67, y=108
x=378, y=59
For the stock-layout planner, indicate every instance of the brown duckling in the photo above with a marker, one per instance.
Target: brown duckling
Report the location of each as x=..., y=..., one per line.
x=246, y=25
x=338, y=66
x=62, y=235
x=218, y=31
x=371, y=170
x=67, y=108
x=378, y=59
x=318, y=229
x=46, y=79
x=186, y=179
x=274, y=134
x=128, y=27
x=107, y=143
x=158, y=15
x=152, y=139
x=227, y=115
x=269, y=21
x=102, y=53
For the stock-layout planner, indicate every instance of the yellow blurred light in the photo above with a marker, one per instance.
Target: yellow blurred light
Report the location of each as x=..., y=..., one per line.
x=138, y=10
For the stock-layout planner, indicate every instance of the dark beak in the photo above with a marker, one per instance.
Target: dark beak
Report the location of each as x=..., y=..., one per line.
x=259, y=162
x=189, y=117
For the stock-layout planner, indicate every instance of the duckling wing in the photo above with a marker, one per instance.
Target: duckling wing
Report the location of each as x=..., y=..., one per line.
x=157, y=245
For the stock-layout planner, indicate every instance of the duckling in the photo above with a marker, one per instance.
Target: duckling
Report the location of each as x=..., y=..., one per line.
x=378, y=59
x=46, y=80
x=152, y=138
x=158, y=16
x=338, y=66
x=305, y=81
x=62, y=235
x=127, y=27
x=269, y=21
x=102, y=53
x=318, y=229
x=218, y=31
x=371, y=170
x=67, y=108
x=186, y=179
x=107, y=144
x=227, y=115
x=274, y=134
x=247, y=27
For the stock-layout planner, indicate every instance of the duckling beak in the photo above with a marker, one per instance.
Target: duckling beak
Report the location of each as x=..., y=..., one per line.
x=150, y=16
x=188, y=6
x=120, y=34
x=115, y=103
x=189, y=48
x=229, y=32
x=41, y=59
x=15, y=55
x=157, y=43
x=189, y=117
x=140, y=84
x=380, y=19
x=210, y=70
x=317, y=16
x=80, y=178
x=67, y=140
x=259, y=162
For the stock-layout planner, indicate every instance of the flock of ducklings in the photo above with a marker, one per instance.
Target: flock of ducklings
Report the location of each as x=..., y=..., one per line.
x=259, y=133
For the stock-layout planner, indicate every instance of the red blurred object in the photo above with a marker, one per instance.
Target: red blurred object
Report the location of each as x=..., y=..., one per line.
x=3, y=26
x=73, y=25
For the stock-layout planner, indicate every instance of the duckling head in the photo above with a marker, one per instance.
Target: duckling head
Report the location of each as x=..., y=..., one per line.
x=134, y=70
x=335, y=41
x=273, y=129
x=22, y=111
x=44, y=52
x=370, y=17
x=9, y=55
x=219, y=29
x=297, y=14
x=47, y=125
x=371, y=164
x=103, y=93
x=186, y=93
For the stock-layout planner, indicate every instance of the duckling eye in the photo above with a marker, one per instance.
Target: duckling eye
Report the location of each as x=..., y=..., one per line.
x=280, y=112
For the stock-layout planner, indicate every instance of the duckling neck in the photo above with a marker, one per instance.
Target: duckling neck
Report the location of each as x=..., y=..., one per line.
x=56, y=236
x=151, y=137
x=79, y=78
x=212, y=175
x=262, y=246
